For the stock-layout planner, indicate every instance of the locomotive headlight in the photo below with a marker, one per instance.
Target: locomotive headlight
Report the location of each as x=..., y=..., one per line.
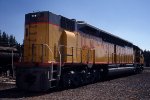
x=34, y=15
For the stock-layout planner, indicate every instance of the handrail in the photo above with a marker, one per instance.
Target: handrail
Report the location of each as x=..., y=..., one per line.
x=42, y=50
x=49, y=50
x=59, y=73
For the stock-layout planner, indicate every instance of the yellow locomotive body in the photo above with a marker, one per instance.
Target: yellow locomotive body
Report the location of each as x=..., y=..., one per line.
x=73, y=44
x=75, y=47
x=53, y=43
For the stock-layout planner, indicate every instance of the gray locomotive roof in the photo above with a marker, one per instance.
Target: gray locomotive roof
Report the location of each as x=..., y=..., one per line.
x=100, y=30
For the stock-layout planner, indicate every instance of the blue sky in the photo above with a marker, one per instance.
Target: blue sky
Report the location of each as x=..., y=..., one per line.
x=128, y=19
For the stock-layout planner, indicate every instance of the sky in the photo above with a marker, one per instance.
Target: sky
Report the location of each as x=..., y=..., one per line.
x=128, y=19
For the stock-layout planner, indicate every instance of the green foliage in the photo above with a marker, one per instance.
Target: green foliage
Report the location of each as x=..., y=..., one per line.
x=7, y=40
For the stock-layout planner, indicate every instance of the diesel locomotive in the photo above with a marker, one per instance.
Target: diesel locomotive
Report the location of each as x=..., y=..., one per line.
x=64, y=52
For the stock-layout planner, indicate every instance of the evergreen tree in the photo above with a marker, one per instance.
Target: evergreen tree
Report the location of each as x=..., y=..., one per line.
x=14, y=41
x=7, y=40
x=4, y=39
x=0, y=37
x=11, y=39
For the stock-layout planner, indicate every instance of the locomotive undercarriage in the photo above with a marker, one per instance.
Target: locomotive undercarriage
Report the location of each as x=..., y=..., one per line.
x=85, y=75
x=40, y=78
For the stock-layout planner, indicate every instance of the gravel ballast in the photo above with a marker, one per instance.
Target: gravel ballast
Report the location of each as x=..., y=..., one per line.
x=131, y=87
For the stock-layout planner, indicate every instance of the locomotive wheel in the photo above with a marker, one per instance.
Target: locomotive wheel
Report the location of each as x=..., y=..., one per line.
x=87, y=77
x=83, y=77
x=75, y=79
x=104, y=73
x=90, y=76
x=98, y=75
x=66, y=80
x=71, y=79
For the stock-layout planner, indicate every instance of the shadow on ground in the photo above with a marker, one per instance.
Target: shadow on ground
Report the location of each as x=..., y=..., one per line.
x=16, y=93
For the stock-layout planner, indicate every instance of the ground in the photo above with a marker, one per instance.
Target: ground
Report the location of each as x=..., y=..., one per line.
x=125, y=87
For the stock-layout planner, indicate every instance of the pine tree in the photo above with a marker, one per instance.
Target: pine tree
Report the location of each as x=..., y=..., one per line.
x=7, y=40
x=11, y=39
x=14, y=41
x=4, y=40
x=0, y=37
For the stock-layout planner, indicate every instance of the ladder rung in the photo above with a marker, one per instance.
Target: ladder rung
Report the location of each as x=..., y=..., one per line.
x=53, y=79
x=67, y=55
x=52, y=86
x=54, y=71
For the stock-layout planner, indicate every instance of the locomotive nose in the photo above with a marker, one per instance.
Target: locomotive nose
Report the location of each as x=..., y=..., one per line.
x=30, y=79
